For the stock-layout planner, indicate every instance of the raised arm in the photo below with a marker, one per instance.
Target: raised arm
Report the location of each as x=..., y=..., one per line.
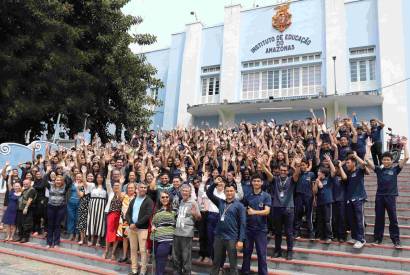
x=368, y=157
x=406, y=152
x=108, y=180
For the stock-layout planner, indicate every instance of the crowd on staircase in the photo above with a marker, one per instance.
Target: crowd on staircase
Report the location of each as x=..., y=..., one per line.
x=230, y=187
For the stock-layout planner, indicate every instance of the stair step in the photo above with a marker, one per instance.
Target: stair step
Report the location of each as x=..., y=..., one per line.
x=57, y=262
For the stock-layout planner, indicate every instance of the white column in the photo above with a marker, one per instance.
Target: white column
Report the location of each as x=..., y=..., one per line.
x=336, y=45
x=190, y=73
x=230, y=69
x=392, y=65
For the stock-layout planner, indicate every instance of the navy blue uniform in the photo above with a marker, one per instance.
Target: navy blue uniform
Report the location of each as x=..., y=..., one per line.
x=283, y=211
x=339, y=209
x=324, y=208
x=304, y=202
x=386, y=195
x=355, y=196
x=360, y=145
x=256, y=232
x=376, y=148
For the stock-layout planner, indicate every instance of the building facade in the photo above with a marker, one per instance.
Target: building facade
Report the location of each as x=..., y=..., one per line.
x=280, y=61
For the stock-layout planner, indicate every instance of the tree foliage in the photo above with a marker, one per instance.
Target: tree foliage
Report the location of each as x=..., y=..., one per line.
x=71, y=57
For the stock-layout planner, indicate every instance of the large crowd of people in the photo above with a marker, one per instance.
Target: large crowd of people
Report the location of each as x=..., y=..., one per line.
x=230, y=187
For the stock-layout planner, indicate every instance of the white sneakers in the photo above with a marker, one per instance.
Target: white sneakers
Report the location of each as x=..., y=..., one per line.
x=359, y=244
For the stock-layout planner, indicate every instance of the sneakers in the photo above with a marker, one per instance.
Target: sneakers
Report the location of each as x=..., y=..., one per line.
x=359, y=244
x=376, y=242
x=328, y=241
x=397, y=245
x=311, y=237
x=352, y=241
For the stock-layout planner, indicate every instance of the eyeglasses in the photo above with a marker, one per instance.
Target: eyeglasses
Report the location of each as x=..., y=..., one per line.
x=164, y=197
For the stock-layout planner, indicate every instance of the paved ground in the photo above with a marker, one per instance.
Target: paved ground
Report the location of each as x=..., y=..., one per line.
x=19, y=266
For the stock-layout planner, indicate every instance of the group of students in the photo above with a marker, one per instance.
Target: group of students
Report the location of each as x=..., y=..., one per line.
x=232, y=186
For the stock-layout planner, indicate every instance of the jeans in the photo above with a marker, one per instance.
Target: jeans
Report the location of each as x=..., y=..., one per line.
x=283, y=217
x=55, y=216
x=161, y=250
x=182, y=254
x=211, y=222
x=220, y=248
x=260, y=240
x=72, y=209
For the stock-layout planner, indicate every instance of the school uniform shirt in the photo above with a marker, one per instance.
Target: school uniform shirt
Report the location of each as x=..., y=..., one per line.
x=343, y=150
x=355, y=185
x=360, y=146
x=257, y=202
x=325, y=194
x=304, y=185
x=375, y=133
x=282, y=192
x=387, y=180
x=339, y=189
x=232, y=223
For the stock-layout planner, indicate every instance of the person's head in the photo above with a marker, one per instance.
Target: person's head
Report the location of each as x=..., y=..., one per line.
x=164, y=178
x=26, y=183
x=132, y=177
x=29, y=176
x=78, y=178
x=116, y=187
x=387, y=159
x=359, y=130
x=256, y=182
x=246, y=174
x=119, y=164
x=165, y=201
x=351, y=163
x=230, y=176
x=116, y=175
x=215, y=173
x=185, y=191
x=283, y=171
x=176, y=182
x=17, y=187
x=281, y=156
x=53, y=176
x=191, y=170
x=96, y=167
x=149, y=177
x=142, y=189
x=99, y=179
x=373, y=122
x=196, y=182
x=229, y=192
x=220, y=183
x=304, y=164
x=344, y=141
x=177, y=162
x=38, y=175
x=28, y=165
x=131, y=189
x=325, y=145
x=90, y=177
x=59, y=181
x=323, y=172
x=170, y=161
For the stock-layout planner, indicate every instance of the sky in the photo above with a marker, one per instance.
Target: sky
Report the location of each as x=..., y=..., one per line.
x=165, y=17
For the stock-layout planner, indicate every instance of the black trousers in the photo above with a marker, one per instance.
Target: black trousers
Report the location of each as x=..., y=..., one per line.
x=24, y=223
x=325, y=220
x=383, y=204
x=203, y=236
x=40, y=213
x=283, y=217
x=376, y=150
x=303, y=206
x=339, y=219
x=221, y=247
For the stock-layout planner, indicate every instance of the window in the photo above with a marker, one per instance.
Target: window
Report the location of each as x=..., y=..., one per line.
x=362, y=51
x=212, y=69
x=210, y=86
x=362, y=70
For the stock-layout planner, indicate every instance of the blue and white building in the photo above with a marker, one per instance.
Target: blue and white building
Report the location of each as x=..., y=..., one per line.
x=344, y=55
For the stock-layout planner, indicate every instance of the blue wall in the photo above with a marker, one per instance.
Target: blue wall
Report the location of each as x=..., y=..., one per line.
x=200, y=121
x=160, y=60
x=366, y=113
x=256, y=25
x=173, y=81
x=212, y=44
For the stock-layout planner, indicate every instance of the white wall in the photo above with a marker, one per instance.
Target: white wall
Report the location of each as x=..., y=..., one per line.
x=230, y=73
x=190, y=73
x=393, y=65
x=335, y=33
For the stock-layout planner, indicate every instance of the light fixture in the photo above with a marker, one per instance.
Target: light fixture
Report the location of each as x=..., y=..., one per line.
x=275, y=108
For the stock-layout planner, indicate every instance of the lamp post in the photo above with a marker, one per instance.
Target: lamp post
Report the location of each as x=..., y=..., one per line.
x=194, y=14
x=334, y=73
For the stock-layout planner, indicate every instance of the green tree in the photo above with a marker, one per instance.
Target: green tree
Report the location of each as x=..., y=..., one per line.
x=71, y=57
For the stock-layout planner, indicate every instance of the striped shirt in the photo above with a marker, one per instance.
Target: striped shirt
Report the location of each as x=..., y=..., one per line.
x=164, y=221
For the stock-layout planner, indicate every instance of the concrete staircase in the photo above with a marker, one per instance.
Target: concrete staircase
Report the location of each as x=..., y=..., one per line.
x=310, y=257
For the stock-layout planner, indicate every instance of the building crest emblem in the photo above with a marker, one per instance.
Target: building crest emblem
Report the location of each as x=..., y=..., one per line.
x=282, y=19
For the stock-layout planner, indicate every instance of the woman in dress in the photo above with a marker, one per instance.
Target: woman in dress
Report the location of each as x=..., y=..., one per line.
x=123, y=227
x=9, y=218
x=113, y=211
x=163, y=228
x=83, y=192
x=95, y=217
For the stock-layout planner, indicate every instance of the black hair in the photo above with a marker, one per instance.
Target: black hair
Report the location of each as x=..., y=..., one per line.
x=256, y=176
x=387, y=155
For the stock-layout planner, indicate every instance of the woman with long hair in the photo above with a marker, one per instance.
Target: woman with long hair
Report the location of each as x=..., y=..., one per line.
x=83, y=192
x=163, y=228
x=9, y=218
x=123, y=227
x=113, y=211
x=95, y=216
